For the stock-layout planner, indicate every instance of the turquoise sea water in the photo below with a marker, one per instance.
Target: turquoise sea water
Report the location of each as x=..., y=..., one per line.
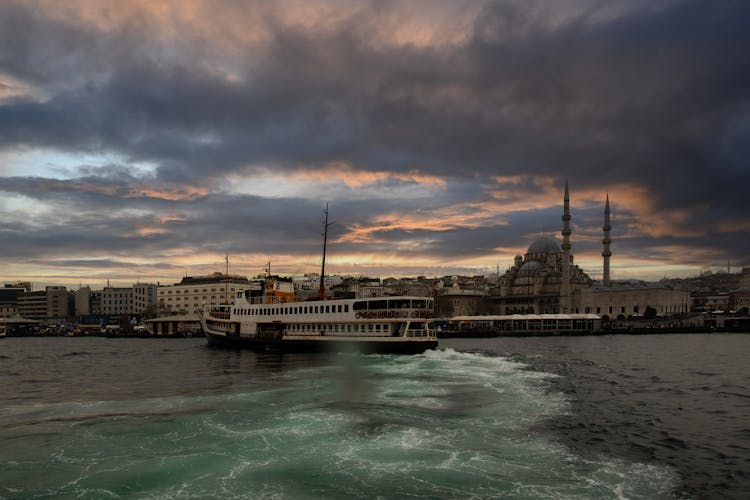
x=133, y=418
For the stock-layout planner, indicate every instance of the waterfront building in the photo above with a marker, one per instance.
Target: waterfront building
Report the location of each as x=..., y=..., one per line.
x=193, y=293
x=41, y=305
x=116, y=301
x=8, y=310
x=96, y=303
x=634, y=299
x=33, y=305
x=144, y=297
x=359, y=288
x=57, y=302
x=455, y=301
x=9, y=301
x=739, y=299
x=82, y=302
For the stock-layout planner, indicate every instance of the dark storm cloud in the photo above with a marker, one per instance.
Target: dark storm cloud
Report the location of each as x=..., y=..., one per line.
x=658, y=96
x=657, y=89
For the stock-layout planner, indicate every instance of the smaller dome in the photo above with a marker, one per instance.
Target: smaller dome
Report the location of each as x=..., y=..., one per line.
x=532, y=265
x=545, y=245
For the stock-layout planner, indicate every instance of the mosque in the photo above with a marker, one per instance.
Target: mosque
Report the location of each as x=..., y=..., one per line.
x=546, y=281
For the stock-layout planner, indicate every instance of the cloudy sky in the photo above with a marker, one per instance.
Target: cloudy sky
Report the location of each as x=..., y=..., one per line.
x=144, y=140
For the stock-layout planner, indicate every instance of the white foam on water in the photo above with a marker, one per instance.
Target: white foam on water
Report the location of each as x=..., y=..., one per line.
x=443, y=424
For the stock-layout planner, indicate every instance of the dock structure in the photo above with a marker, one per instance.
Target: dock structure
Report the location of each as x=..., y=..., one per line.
x=186, y=325
x=526, y=324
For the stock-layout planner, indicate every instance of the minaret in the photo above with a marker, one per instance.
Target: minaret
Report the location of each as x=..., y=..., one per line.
x=606, y=253
x=565, y=286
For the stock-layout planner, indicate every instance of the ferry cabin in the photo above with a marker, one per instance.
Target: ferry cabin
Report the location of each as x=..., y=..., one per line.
x=371, y=317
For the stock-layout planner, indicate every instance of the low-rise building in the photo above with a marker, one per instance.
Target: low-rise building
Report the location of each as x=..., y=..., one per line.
x=455, y=301
x=633, y=299
x=9, y=301
x=739, y=299
x=33, y=305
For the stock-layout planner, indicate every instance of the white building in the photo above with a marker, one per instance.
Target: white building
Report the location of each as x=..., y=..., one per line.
x=194, y=293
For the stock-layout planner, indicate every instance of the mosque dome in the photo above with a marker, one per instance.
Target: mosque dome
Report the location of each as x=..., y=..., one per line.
x=545, y=245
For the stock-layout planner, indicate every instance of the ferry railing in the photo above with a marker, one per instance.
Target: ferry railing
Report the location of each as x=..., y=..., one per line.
x=420, y=333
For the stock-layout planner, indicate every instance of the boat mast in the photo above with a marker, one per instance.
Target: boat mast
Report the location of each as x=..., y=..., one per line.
x=322, y=289
x=226, y=280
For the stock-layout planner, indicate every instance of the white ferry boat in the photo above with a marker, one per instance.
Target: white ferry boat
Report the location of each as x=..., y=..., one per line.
x=269, y=317
x=273, y=320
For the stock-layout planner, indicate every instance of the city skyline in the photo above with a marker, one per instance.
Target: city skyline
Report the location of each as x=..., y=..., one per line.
x=144, y=143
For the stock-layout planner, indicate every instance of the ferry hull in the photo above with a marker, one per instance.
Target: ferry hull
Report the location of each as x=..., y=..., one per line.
x=383, y=345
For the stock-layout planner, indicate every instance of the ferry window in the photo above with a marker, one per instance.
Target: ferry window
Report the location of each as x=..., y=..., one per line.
x=339, y=307
x=369, y=327
x=359, y=306
x=348, y=328
x=377, y=327
x=328, y=309
x=316, y=309
x=346, y=308
x=419, y=304
x=378, y=304
x=398, y=304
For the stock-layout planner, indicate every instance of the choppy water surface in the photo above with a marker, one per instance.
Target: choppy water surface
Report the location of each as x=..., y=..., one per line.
x=518, y=418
